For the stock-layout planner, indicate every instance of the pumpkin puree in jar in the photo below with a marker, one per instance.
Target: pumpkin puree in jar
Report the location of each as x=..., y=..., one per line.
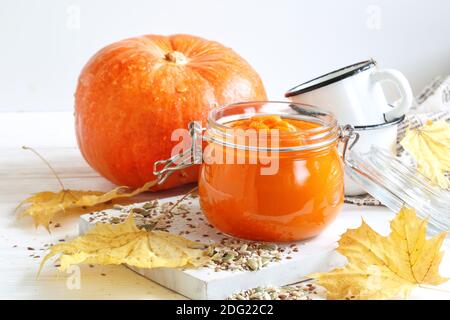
x=296, y=202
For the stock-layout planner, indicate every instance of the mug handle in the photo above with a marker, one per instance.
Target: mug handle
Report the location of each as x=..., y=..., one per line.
x=404, y=104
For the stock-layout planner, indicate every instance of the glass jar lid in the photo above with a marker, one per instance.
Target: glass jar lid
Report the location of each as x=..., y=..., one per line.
x=396, y=185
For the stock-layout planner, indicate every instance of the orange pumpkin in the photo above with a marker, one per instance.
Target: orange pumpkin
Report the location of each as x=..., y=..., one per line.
x=134, y=93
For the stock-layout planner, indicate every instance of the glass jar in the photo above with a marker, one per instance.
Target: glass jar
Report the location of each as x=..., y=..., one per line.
x=287, y=186
x=297, y=200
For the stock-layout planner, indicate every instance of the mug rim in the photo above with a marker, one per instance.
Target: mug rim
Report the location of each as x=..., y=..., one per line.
x=380, y=125
x=353, y=69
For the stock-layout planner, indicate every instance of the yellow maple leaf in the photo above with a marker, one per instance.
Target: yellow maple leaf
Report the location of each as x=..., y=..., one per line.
x=430, y=147
x=385, y=267
x=45, y=205
x=125, y=243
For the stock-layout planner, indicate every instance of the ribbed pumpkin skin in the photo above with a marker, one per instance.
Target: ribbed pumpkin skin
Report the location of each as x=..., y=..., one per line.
x=134, y=93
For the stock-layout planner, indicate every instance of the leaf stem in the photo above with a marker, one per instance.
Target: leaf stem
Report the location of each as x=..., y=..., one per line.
x=182, y=198
x=168, y=212
x=47, y=163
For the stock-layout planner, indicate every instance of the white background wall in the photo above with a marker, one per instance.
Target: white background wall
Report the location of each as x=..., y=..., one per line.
x=45, y=43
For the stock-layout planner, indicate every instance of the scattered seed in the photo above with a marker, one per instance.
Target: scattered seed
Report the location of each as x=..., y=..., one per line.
x=269, y=246
x=116, y=220
x=146, y=213
x=292, y=292
x=253, y=264
x=228, y=257
x=150, y=205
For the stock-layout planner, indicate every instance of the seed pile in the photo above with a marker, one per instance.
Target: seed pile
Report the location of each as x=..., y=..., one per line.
x=149, y=216
x=227, y=254
x=233, y=254
x=300, y=291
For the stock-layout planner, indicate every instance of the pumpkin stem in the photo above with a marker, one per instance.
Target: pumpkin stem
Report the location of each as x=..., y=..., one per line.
x=176, y=57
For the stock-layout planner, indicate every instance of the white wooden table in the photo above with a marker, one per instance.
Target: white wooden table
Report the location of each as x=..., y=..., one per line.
x=22, y=173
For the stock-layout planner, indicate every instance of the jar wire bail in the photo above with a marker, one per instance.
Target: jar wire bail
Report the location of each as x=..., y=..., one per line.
x=162, y=169
x=349, y=137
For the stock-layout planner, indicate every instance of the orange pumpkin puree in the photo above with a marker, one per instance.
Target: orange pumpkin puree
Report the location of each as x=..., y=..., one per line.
x=267, y=123
x=297, y=202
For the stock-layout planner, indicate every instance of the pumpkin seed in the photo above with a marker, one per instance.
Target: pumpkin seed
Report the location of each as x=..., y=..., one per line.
x=269, y=246
x=228, y=257
x=146, y=214
x=243, y=248
x=149, y=226
x=116, y=220
x=150, y=205
x=253, y=264
x=217, y=256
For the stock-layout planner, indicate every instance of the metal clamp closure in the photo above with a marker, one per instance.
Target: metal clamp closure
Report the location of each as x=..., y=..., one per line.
x=162, y=169
x=349, y=137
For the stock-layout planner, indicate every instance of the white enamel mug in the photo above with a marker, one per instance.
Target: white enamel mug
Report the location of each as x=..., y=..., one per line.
x=354, y=94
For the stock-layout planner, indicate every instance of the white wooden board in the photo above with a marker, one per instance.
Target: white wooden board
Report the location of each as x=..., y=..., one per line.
x=206, y=282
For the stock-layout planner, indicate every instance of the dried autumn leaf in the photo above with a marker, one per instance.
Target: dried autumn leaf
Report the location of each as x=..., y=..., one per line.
x=385, y=267
x=45, y=205
x=430, y=147
x=125, y=243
